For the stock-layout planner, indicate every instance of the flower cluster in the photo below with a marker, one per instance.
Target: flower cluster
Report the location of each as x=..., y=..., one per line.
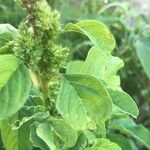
x=37, y=42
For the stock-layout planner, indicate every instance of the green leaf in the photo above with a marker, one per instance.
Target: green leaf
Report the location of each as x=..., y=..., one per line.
x=35, y=98
x=105, y=69
x=97, y=32
x=65, y=132
x=7, y=33
x=70, y=106
x=120, y=140
x=8, y=65
x=81, y=143
x=99, y=65
x=74, y=67
x=15, y=134
x=7, y=28
x=128, y=126
x=124, y=102
x=83, y=96
x=104, y=144
x=95, y=63
x=143, y=52
x=5, y=49
x=110, y=74
x=35, y=139
x=44, y=131
x=15, y=84
x=15, y=139
x=90, y=136
x=46, y=135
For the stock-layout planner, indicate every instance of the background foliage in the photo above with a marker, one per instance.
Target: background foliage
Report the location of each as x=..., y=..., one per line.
x=130, y=27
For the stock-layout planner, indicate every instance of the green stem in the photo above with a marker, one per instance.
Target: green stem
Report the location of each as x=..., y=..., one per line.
x=45, y=91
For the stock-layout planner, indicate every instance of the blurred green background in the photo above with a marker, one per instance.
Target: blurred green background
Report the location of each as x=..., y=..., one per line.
x=129, y=22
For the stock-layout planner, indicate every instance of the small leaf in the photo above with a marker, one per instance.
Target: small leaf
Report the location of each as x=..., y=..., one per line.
x=124, y=102
x=95, y=63
x=128, y=126
x=65, y=132
x=35, y=139
x=104, y=144
x=97, y=32
x=81, y=143
x=15, y=85
x=110, y=74
x=143, y=52
x=90, y=136
x=44, y=131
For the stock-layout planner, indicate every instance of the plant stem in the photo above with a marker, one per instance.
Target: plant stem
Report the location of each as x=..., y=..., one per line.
x=44, y=84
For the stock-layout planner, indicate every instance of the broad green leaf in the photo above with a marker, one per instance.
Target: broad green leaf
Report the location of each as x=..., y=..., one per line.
x=83, y=96
x=7, y=33
x=124, y=102
x=143, y=52
x=97, y=32
x=15, y=139
x=35, y=139
x=45, y=132
x=65, y=132
x=120, y=140
x=44, y=135
x=99, y=65
x=15, y=85
x=128, y=126
x=104, y=144
x=70, y=106
x=105, y=69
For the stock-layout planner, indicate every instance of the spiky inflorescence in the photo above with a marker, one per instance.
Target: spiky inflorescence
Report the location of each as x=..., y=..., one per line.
x=37, y=42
